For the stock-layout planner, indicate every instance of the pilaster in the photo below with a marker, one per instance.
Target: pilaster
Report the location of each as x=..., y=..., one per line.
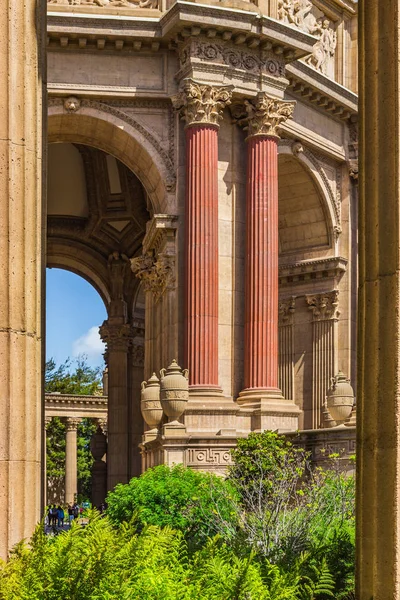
x=325, y=313
x=71, y=459
x=287, y=309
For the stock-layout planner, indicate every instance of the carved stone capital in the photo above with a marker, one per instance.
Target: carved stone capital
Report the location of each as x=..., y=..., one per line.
x=118, y=337
x=287, y=307
x=156, y=272
x=324, y=306
x=265, y=115
x=71, y=423
x=201, y=104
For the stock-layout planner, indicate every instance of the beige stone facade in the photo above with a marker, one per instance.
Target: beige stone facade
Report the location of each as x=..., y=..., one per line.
x=116, y=191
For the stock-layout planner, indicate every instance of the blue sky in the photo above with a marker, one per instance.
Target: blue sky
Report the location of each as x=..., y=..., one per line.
x=74, y=311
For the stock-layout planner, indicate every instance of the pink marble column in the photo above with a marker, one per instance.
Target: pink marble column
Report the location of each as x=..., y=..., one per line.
x=201, y=293
x=261, y=287
x=261, y=389
x=201, y=106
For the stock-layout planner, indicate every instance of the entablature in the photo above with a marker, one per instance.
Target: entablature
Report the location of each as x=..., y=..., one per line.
x=311, y=270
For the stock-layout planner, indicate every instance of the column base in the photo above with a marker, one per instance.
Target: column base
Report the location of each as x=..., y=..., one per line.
x=204, y=390
x=268, y=409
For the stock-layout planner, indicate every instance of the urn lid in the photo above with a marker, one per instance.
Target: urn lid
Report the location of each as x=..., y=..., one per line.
x=340, y=386
x=174, y=368
x=153, y=381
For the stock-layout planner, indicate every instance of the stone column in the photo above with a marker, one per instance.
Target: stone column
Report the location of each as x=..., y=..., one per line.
x=378, y=390
x=47, y=421
x=201, y=107
x=264, y=117
x=71, y=459
x=325, y=349
x=118, y=338
x=286, y=347
x=98, y=448
x=21, y=269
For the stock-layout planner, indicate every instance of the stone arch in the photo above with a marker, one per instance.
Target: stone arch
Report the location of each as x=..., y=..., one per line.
x=82, y=261
x=108, y=129
x=329, y=202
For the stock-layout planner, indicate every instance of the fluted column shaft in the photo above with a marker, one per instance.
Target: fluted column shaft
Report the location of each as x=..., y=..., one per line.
x=261, y=285
x=71, y=460
x=21, y=269
x=201, y=301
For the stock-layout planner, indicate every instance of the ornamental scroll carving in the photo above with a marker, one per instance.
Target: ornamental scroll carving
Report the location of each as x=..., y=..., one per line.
x=300, y=13
x=287, y=307
x=107, y=3
x=201, y=104
x=266, y=115
x=324, y=306
x=157, y=273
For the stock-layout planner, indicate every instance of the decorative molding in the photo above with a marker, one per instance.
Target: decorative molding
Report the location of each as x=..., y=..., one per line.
x=311, y=270
x=256, y=62
x=353, y=150
x=160, y=233
x=201, y=104
x=265, y=115
x=208, y=456
x=157, y=273
x=287, y=307
x=324, y=306
x=107, y=3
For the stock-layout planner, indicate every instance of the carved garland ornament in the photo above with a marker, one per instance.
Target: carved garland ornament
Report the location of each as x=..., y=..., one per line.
x=157, y=273
x=266, y=115
x=107, y=3
x=201, y=104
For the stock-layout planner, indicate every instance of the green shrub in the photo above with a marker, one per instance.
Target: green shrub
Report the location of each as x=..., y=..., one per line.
x=186, y=500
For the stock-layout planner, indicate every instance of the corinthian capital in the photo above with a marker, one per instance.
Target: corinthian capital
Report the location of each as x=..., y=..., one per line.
x=265, y=115
x=324, y=306
x=200, y=104
x=157, y=273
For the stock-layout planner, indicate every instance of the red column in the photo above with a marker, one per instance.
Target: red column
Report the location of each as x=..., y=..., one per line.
x=261, y=299
x=201, y=301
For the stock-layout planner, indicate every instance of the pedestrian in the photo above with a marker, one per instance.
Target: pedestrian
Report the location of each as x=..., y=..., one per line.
x=70, y=514
x=60, y=516
x=53, y=515
x=76, y=510
x=49, y=515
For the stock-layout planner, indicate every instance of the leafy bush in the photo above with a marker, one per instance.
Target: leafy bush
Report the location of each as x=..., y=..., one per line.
x=186, y=500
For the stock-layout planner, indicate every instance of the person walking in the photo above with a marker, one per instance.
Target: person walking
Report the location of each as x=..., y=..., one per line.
x=70, y=514
x=60, y=517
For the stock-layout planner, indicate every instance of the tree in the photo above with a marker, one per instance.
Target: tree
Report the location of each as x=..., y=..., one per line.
x=71, y=377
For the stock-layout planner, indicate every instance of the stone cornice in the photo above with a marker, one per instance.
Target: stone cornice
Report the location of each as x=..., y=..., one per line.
x=314, y=87
x=62, y=405
x=309, y=270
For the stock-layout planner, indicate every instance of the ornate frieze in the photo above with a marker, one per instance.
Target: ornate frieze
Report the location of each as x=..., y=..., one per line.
x=200, y=104
x=107, y=3
x=156, y=272
x=265, y=115
x=256, y=62
x=287, y=307
x=302, y=14
x=208, y=456
x=324, y=306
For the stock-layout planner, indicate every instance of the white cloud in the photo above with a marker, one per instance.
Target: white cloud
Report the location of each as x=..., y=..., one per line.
x=89, y=343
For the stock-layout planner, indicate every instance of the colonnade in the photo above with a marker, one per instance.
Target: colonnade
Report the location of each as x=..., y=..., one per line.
x=201, y=107
x=98, y=448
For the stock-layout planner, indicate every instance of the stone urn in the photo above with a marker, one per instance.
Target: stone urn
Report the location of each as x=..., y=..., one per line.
x=174, y=390
x=150, y=402
x=340, y=398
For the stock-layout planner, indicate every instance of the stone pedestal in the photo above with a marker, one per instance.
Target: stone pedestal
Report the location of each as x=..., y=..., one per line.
x=21, y=270
x=71, y=460
x=261, y=392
